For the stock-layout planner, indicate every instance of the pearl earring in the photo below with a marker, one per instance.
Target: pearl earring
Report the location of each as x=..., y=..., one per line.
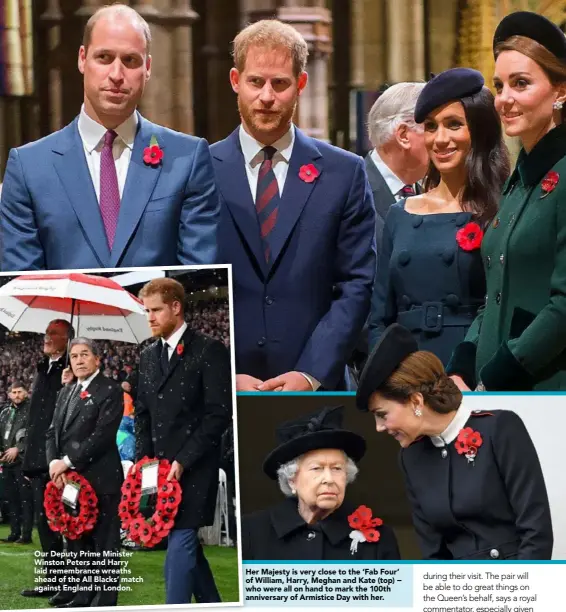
x=418, y=412
x=293, y=491
x=558, y=105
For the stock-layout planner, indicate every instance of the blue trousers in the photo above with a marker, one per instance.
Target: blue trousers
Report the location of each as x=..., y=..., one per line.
x=187, y=572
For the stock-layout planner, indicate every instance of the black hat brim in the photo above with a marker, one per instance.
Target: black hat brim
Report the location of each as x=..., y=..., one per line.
x=396, y=343
x=533, y=26
x=351, y=443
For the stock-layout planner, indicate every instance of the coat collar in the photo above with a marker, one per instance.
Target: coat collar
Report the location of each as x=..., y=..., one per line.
x=532, y=167
x=286, y=519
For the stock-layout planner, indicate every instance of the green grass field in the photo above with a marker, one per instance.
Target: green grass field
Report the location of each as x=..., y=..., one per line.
x=17, y=573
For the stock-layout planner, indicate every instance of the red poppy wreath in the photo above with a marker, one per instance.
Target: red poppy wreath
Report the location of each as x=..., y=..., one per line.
x=140, y=530
x=58, y=519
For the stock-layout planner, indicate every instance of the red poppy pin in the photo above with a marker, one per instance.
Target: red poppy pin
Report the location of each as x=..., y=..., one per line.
x=153, y=154
x=468, y=442
x=308, y=173
x=549, y=183
x=84, y=395
x=364, y=527
x=469, y=237
x=180, y=349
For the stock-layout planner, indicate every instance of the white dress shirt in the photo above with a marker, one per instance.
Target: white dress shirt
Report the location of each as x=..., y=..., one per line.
x=52, y=361
x=451, y=432
x=394, y=183
x=92, y=135
x=253, y=156
x=174, y=339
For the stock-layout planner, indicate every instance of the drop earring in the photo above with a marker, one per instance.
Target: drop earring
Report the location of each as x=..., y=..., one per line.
x=558, y=105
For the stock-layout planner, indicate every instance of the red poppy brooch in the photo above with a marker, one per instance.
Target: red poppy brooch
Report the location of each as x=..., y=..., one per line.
x=308, y=173
x=468, y=442
x=180, y=348
x=84, y=395
x=153, y=154
x=469, y=237
x=549, y=183
x=364, y=527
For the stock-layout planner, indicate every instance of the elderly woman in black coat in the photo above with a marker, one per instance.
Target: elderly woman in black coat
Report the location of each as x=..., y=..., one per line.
x=473, y=478
x=314, y=463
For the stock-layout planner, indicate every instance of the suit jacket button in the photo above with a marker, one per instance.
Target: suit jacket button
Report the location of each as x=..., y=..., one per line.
x=488, y=261
x=311, y=535
x=160, y=396
x=268, y=300
x=502, y=258
x=498, y=299
x=261, y=342
x=494, y=553
x=444, y=453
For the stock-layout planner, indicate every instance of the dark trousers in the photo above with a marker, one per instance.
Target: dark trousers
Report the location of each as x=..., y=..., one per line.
x=20, y=501
x=104, y=537
x=49, y=540
x=187, y=572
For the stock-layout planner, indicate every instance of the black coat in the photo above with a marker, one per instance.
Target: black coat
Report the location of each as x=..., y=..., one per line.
x=280, y=533
x=181, y=417
x=494, y=508
x=17, y=434
x=89, y=440
x=42, y=405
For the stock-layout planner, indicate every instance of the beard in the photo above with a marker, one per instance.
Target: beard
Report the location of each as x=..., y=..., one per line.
x=278, y=121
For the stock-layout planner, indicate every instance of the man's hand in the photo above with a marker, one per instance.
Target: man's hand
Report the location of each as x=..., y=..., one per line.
x=176, y=471
x=10, y=455
x=247, y=383
x=460, y=383
x=290, y=381
x=56, y=469
x=67, y=376
x=60, y=481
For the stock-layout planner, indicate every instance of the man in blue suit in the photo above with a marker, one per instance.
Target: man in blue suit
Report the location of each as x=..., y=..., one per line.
x=110, y=189
x=297, y=224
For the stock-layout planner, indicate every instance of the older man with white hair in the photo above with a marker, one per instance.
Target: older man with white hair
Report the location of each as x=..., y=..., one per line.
x=398, y=159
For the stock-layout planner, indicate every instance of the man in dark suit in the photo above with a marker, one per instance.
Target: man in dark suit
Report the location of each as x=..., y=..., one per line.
x=82, y=437
x=297, y=224
x=45, y=388
x=13, y=424
x=398, y=159
x=183, y=406
x=100, y=182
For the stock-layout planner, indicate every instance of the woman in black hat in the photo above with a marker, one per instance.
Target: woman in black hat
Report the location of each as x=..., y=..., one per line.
x=518, y=342
x=430, y=276
x=473, y=478
x=314, y=463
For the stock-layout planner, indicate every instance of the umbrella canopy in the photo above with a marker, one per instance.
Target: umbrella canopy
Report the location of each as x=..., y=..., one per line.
x=98, y=307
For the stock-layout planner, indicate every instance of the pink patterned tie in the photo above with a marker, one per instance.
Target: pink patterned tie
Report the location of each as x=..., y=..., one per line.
x=109, y=191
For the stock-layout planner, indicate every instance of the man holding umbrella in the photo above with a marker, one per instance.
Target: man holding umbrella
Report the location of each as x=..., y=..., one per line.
x=46, y=385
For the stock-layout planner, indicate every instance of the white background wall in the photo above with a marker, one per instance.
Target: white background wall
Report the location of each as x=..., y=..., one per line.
x=545, y=419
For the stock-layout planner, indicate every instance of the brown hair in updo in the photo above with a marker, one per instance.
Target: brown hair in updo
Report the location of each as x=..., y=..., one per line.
x=422, y=372
x=554, y=68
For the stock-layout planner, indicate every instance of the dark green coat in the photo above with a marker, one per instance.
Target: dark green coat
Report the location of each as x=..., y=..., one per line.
x=518, y=339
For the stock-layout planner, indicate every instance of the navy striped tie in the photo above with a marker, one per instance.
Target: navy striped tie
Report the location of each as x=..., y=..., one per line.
x=267, y=199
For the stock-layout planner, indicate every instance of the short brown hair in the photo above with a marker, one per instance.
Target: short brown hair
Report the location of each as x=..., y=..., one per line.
x=422, y=372
x=117, y=8
x=554, y=68
x=271, y=34
x=169, y=289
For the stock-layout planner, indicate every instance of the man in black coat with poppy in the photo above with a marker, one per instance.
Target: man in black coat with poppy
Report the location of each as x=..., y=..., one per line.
x=82, y=437
x=183, y=406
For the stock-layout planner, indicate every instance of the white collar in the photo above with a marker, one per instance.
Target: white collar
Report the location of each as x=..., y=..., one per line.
x=451, y=432
x=394, y=183
x=86, y=382
x=251, y=148
x=175, y=337
x=93, y=132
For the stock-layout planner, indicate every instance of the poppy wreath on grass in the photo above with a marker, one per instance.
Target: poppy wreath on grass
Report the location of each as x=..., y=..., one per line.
x=140, y=530
x=59, y=519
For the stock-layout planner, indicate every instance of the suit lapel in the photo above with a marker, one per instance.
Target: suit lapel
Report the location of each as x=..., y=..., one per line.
x=91, y=390
x=72, y=169
x=176, y=358
x=235, y=188
x=296, y=192
x=382, y=196
x=140, y=183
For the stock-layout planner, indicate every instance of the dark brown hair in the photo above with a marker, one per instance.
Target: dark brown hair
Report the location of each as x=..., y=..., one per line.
x=554, y=68
x=422, y=372
x=169, y=289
